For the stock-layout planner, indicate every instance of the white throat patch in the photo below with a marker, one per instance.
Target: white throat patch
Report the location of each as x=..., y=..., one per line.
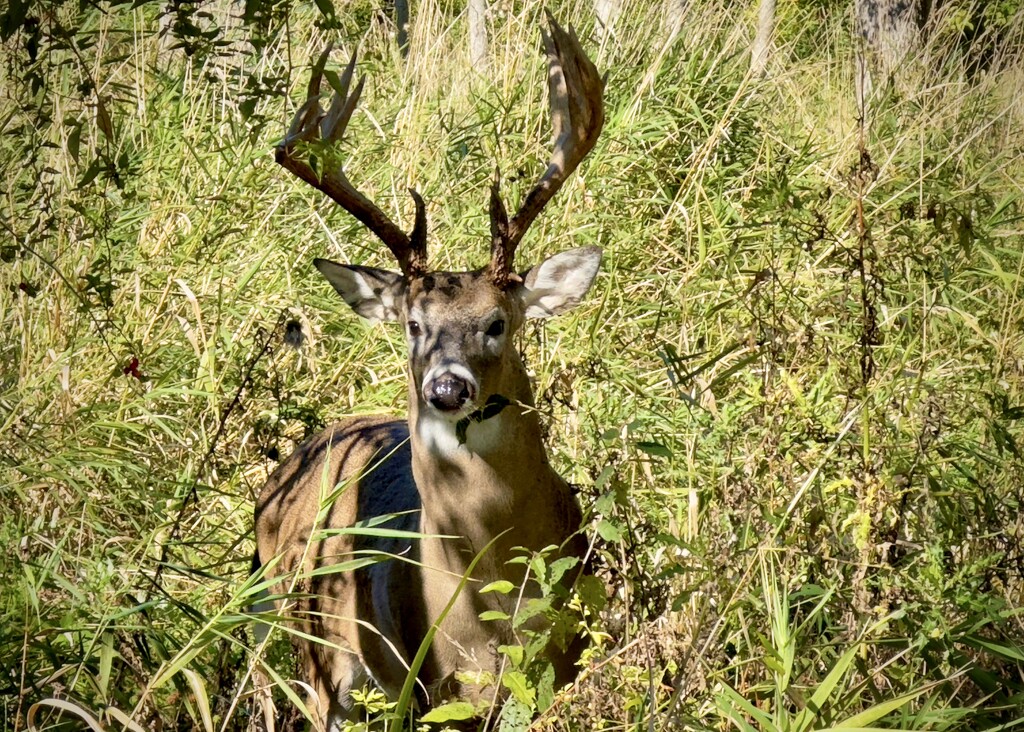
x=438, y=435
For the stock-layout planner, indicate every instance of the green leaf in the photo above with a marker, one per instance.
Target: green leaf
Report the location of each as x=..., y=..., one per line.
x=326, y=7
x=564, y=626
x=75, y=141
x=247, y=107
x=517, y=683
x=342, y=567
x=591, y=590
x=202, y=700
x=90, y=174
x=103, y=119
x=605, y=503
x=494, y=615
x=606, y=474
x=107, y=654
x=873, y=714
x=1007, y=652
x=546, y=687
x=514, y=653
x=457, y=711
x=515, y=716
x=502, y=586
x=654, y=448
x=405, y=696
x=534, y=607
x=495, y=404
x=538, y=567
x=558, y=568
x=736, y=707
x=608, y=531
x=831, y=681
x=368, y=531
x=333, y=79
x=493, y=407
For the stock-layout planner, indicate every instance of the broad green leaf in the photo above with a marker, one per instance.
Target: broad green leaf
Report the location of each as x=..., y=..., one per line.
x=514, y=653
x=452, y=712
x=654, y=448
x=558, y=568
x=534, y=607
x=515, y=716
x=592, y=591
x=517, y=683
x=608, y=531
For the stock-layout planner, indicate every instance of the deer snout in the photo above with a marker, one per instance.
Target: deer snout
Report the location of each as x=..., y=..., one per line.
x=449, y=392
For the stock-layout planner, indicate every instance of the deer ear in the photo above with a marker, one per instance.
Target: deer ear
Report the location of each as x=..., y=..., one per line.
x=558, y=283
x=372, y=293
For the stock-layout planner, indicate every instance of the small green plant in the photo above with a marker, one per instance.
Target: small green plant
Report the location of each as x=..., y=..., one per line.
x=783, y=703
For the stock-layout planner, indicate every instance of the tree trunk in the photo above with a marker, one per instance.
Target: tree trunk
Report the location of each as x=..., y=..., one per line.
x=607, y=12
x=890, y=31
x=763, y=38
x=478, y=34
x=402, y=22
x=675, y=11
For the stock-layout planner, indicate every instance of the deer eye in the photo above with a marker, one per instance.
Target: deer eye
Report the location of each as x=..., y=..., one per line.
x=496, y=328
x=414, y=328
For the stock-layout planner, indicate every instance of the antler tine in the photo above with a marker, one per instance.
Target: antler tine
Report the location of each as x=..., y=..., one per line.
x=333, y=125
x=576, y=92
x=501, y=261
x=311, y=125
x=418, y=237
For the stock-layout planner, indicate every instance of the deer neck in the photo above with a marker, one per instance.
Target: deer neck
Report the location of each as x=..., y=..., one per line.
x=497, y=479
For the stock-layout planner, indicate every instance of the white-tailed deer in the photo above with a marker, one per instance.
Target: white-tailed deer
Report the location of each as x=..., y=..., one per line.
x=463, y=471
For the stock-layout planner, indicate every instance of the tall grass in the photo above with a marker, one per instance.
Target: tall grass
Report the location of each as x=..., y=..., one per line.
x=792, y=402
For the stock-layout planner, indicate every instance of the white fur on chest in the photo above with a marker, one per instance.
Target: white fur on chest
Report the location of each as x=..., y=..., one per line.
x=437, y=434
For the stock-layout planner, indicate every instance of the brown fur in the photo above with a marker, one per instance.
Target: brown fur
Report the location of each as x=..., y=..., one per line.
x=459, y=497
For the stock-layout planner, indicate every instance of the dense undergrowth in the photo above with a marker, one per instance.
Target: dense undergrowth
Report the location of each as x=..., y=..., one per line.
x=792, y=402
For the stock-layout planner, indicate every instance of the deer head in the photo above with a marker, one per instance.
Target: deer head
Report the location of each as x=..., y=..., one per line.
x=459, y=324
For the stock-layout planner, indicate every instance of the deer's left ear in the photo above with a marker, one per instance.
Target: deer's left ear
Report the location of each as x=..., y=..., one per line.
x=559, y=282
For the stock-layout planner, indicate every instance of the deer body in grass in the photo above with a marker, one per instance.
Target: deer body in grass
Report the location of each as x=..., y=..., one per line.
x=468, y=471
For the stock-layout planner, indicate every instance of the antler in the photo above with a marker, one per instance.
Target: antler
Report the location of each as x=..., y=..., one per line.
x=577, y=115
x=312, y=125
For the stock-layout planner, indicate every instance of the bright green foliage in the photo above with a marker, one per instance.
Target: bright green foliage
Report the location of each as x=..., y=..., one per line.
x=792, y=401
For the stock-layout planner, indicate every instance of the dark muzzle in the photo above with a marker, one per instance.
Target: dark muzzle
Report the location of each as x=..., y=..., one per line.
x=449, y=393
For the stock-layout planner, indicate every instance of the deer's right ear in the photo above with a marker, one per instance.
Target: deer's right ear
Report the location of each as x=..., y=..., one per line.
x=373, y=293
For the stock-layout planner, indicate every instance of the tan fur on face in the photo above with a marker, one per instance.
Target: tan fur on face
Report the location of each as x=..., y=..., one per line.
x=454, y=310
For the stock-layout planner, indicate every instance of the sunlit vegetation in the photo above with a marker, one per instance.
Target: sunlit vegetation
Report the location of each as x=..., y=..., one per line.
x=792, y=402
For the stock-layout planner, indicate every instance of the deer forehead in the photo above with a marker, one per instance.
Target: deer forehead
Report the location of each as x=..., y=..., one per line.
x=454, y=296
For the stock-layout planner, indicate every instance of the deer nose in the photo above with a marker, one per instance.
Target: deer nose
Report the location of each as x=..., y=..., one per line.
x=449, y=392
